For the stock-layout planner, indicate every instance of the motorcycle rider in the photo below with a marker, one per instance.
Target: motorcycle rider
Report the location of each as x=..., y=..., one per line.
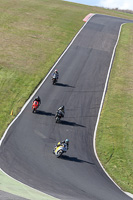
x=64, y=142
x=38, y=100
x=56, y=74
x=61, y=110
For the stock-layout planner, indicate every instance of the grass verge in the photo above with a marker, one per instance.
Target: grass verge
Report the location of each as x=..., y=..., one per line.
x=114, y=140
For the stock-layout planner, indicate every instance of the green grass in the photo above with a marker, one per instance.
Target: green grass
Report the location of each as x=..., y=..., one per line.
x=115, y=131
x=33, y=34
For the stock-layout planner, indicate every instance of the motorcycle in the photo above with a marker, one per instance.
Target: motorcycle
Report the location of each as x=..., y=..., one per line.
x=58, y=116
x=60, y=149
x=54, y=79
x=35, y=105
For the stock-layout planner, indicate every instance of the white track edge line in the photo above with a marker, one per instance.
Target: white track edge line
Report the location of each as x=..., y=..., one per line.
x=100, y=109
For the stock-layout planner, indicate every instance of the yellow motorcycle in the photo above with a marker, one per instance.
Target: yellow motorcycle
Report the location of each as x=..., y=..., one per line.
x=60, y=149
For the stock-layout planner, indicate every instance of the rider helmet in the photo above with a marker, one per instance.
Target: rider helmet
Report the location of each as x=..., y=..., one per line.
x=66, y=141
x=56, y=71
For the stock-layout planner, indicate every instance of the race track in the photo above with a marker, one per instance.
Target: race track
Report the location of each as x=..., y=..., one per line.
x=26, y=151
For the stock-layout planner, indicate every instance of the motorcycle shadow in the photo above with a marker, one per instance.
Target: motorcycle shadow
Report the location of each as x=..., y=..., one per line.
x=71, y=123
x=40, y=112
x=74, y=159
x=64, y=85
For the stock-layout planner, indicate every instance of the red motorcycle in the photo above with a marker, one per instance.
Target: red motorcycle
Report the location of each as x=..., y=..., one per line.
x=35, y=105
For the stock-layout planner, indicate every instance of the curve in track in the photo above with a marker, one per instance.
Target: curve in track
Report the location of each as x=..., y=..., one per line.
x=26, y=150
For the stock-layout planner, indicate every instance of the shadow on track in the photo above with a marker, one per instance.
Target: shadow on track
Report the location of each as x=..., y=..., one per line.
x=74, y=159
x=41, y=112
x=64, y=85
x=70, y=123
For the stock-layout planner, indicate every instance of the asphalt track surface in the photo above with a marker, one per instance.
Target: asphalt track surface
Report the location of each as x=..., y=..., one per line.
x=26, y=151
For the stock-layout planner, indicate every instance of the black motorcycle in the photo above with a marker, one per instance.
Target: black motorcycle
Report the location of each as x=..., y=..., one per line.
x=54, y=79
x=58, y=116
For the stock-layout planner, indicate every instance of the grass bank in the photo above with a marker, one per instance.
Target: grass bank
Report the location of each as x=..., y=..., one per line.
x=115, y=130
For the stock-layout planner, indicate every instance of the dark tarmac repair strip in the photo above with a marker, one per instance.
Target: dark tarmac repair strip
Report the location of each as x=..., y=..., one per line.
x=8, y=196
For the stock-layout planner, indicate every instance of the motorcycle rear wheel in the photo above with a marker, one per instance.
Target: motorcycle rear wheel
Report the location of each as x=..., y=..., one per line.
x=57, y=119
x=59, y=154
x=33, y=110
x=54, y=81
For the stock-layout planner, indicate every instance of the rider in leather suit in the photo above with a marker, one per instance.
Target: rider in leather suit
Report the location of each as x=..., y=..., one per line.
x=61, y=110
x=66, y=141
x=38, y=100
